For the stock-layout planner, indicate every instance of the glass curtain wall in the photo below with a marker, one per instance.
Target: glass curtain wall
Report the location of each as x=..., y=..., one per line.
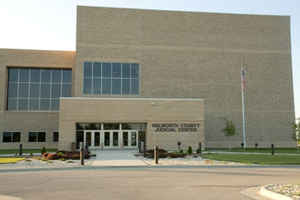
x=103, y=78
x=36, y=89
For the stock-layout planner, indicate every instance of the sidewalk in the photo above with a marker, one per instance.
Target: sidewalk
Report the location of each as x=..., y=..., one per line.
x=115, y=158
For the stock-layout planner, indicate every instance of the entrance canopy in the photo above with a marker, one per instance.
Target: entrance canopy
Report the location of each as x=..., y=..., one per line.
x=121, y=122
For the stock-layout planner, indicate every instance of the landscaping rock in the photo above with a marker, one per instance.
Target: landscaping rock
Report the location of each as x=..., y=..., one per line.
x=290, y=190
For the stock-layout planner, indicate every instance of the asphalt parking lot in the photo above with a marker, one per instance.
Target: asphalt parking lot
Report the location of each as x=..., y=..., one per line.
x=143, y=183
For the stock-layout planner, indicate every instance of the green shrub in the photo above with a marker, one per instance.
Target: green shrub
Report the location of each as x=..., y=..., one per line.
x=190, y=150
x=43, y=150
x=60, y=154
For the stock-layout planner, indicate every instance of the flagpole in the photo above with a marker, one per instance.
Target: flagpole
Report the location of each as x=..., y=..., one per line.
x=243, y=87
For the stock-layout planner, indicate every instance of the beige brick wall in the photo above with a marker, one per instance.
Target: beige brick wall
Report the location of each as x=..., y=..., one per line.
x=29, y=121
x=199, y=55
x=134, y=110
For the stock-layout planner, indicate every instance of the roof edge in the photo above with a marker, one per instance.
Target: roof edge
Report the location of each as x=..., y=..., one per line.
x=180, y=11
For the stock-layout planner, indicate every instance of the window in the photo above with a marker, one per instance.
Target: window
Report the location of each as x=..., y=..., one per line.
x=111, y=78
x=34, y=89
x=9, y=137
x=37, y=137
x=111, y=126
x=55, y=137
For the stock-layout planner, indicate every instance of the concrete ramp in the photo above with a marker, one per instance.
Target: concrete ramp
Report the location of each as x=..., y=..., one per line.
x=116, y=158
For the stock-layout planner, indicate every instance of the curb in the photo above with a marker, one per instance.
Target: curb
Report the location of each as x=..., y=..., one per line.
x=273, y=195
x=142, y=167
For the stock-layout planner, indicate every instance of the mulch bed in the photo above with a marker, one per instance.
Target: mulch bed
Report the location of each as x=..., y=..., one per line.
x=64, y=155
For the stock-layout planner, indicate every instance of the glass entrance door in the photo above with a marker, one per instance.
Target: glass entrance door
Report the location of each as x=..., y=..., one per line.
x=129, y=139
x=111, y=139
x=106, y=138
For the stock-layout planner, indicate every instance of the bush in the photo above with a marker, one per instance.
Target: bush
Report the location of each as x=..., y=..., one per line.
x=60, y=154
x=162, y=153
x=176, y=155
x=190, y=150
x=198, y=151
x=52, y=156
x=43, y=150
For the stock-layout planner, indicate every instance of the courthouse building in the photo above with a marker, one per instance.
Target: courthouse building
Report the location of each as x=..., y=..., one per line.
x=152, y=77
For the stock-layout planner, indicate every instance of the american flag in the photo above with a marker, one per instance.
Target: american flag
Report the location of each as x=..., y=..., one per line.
x=243, y=78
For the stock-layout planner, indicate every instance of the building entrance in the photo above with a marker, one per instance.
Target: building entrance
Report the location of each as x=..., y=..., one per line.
x=111, y=139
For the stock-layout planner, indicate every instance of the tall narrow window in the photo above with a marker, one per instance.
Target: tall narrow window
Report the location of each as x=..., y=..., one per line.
x=55, y=136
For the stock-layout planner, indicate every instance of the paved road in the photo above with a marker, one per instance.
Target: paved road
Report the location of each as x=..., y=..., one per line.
x=142, y=183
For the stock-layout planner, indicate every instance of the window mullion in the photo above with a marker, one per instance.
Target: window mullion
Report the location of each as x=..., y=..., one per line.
x=101, y=75
x=130, y=86
x=29, y=81
x=50, y=86
x=40, y=90
x=18, y=90
x=121, y=79
x=110, y=78
x=92, y=83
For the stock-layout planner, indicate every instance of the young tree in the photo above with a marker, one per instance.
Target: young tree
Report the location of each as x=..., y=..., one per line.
x=229, y=129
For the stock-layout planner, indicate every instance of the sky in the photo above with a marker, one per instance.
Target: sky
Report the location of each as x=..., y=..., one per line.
x=51, y=24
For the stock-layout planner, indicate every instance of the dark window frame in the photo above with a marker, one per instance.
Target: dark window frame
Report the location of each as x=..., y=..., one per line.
x=11, y=137
x=36, y=136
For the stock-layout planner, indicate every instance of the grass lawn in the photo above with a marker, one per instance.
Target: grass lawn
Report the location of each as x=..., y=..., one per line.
x=13, y=151
x=10, y=160
x=259, y=150
x=255, y=158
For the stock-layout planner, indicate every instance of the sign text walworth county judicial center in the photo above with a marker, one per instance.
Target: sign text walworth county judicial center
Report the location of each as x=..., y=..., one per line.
x=175, y=127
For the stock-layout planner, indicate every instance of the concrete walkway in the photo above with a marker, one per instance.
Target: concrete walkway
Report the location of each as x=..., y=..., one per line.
x=115, y=158
x=4, y=197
